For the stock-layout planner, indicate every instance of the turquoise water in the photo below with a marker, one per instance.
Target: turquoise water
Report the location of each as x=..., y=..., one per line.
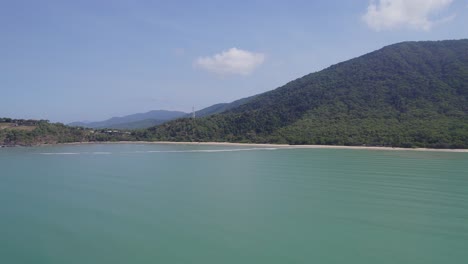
x=128, y=203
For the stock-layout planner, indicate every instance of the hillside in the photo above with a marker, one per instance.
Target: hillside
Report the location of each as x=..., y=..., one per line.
x=20, y=132
x=221, y=107
x=411, y=94
x=156, y=117
x=141, y=124
x=134, y=121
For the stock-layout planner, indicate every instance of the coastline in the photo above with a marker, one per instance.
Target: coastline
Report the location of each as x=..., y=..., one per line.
x=282, y=146
x=264, y=145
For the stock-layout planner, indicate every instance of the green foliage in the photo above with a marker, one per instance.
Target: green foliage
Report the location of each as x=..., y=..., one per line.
x=44, y=132
x=412, y=94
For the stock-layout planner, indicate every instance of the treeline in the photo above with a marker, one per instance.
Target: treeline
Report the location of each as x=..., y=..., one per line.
x=22, y=122
x=412, y=94
x=53, y=133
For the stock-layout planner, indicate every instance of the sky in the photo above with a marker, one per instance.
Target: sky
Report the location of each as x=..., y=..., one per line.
x=90, y=60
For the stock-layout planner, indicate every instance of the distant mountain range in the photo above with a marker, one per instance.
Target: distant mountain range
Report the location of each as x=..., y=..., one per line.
x=156, y=117
x=134, y=121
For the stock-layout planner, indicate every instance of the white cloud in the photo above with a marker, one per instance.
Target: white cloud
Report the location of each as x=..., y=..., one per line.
x=232, y=61
x=413, y=14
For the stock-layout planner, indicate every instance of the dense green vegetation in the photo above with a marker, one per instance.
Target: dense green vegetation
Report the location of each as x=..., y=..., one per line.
x=31, y=132
x=222, y=107
x=412, y=94
x=14, y=132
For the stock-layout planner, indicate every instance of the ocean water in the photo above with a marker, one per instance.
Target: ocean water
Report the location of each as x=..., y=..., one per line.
x=131, y=203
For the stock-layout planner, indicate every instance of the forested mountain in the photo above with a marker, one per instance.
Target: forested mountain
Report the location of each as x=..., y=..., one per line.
x=135, y=121
x=222, y=107
x=411, y=94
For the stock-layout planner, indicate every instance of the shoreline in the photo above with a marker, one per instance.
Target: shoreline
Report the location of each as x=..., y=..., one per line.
x=264, y=145
x=282, y=146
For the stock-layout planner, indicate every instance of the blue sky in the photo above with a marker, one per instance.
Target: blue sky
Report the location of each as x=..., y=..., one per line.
x=91, y=60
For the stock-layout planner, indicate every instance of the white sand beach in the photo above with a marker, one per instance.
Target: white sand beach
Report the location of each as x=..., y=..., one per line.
x=285, y=146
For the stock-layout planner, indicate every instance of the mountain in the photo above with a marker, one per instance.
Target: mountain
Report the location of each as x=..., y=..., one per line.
x=141, y=124
x=135, y=121
x=410, y=94
x=79, y=124
x=153, y=118
x=222, y=107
